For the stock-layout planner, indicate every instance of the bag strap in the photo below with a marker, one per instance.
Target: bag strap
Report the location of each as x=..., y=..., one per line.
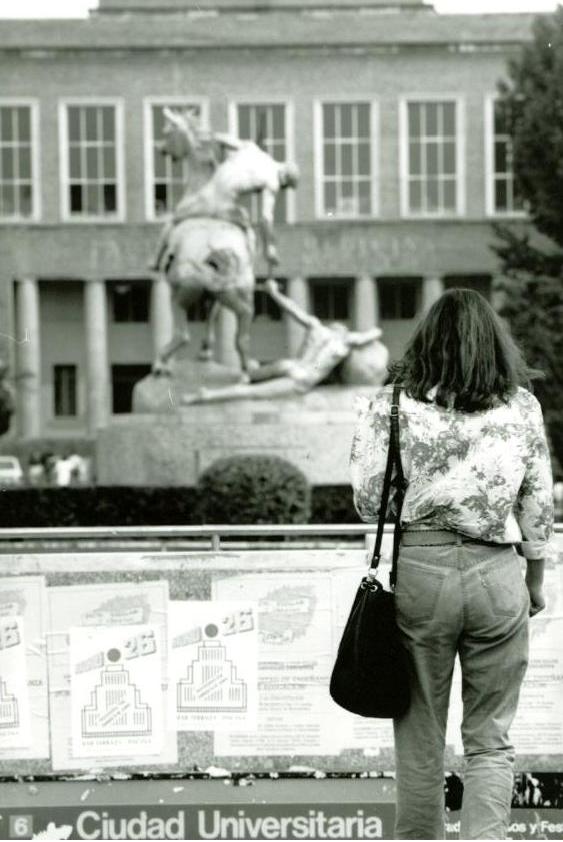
x=393, y=459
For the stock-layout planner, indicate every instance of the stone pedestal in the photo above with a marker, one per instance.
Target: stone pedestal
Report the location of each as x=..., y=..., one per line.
x=174, y=445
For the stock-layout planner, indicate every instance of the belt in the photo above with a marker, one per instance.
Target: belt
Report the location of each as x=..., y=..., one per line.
x=435, y=537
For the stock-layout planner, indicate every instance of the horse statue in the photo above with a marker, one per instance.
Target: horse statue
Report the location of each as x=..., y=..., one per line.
x=210, y=246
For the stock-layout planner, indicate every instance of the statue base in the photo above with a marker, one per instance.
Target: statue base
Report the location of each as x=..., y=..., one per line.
x=164, y=444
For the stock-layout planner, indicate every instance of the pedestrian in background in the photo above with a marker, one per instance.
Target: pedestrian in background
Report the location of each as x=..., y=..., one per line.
x=475, y=455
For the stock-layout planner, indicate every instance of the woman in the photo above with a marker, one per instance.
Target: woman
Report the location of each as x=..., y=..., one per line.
x=474, y=452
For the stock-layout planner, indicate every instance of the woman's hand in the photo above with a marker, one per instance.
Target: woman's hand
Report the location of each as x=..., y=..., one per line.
x=537, y=599
x=534, y=583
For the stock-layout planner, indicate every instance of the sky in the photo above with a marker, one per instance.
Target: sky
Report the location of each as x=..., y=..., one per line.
x=79, y=8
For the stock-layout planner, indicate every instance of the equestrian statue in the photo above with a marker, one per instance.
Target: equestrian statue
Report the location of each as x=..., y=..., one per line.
x=209, y=245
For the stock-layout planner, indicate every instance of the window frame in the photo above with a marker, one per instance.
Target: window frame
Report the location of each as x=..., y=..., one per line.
x=318, y=152
x=289, y=117
x=460, y=156
x=66, y=416
x=65, y=212
x=148, y=141
x=489, y=140
x=36, y=203
x=345, y=282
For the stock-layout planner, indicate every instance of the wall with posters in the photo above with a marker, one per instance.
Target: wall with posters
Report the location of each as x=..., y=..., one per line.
x=173, y=662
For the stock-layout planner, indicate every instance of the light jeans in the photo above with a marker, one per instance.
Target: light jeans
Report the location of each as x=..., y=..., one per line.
x=469, y=599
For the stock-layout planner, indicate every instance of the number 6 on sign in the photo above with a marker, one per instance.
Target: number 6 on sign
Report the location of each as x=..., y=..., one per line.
x=21, y=827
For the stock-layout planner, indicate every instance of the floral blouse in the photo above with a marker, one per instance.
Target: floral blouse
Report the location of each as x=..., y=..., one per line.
x=485, y=474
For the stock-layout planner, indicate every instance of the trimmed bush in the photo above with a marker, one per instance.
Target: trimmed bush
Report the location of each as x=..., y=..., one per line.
x=333, y=504
x=254, y=489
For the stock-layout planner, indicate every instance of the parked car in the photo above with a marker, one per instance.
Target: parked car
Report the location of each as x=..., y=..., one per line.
x=11, y=472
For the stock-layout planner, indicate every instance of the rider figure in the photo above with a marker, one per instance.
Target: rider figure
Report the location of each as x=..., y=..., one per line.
x=240, y=167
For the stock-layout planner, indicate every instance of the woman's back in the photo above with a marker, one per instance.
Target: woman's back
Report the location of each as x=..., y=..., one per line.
x=485, y=474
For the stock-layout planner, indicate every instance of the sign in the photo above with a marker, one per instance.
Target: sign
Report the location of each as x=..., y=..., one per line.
x=108, y=675
x=213, y=665
x=241, y=821
x=116, y=691
x=23, y=669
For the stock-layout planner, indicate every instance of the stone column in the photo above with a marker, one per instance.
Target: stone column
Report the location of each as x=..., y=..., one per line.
x=227, y=353
x=432, y=289
x=97, y=366
x=298, y=291
x=28, y=358
x=162, y=322
x=366, y=304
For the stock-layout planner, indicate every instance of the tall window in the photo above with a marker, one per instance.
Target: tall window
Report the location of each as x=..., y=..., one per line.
x=123, y=379
x=265, y=124
x=431, y=151
x=264, y=304
x=64, y=380
x=504, y=195
x=345, y=160
x=398, y=297
x=167, y=178
x=130, y=301
x=92, y=161
x=330, y=298
x=16, y=162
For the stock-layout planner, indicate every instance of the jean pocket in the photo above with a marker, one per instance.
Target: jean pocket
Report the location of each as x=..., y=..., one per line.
x=416, y=593
x=505, y=586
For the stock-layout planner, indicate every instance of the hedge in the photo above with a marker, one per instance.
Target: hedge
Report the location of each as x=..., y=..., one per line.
x=140, y=506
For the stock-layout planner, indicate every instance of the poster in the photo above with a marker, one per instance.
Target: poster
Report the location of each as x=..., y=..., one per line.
x=116, y=690
x=294, y=664
x=538, y=726
x=213, y=665
x=15, y=729
x=23, y=612
x=92, y=615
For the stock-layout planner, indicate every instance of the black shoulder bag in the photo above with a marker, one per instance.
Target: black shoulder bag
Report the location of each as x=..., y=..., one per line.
x=370, y=676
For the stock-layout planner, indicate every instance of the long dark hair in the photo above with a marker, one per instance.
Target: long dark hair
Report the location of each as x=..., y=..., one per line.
x=464, y=349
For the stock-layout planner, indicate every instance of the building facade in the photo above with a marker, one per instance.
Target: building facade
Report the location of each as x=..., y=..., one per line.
x=389, y=109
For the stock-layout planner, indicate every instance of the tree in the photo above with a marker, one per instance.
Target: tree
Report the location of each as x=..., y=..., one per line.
x=532, y=261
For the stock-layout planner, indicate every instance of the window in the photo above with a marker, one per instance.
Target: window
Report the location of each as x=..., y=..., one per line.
x=330, y=298
x=130, y=301
x=398, y=297
x=64, y=379
x=503, y=195
x=18, y=194
x=123, y=379
x=166, y=178
x=430, y=159
x=91, y=163
x=345, y=160
x=265, y=124
x=264, y=305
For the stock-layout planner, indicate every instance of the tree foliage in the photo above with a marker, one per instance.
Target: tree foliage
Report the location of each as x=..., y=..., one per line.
x=533, y=96
x=532, y=284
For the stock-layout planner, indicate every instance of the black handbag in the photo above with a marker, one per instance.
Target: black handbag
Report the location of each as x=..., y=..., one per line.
x=370, y=675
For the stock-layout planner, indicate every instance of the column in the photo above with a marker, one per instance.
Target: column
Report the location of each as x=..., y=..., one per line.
x=97, y=366
x=28, y=358
x=227, y=353
x=432, y=289
x=298, y=291
x=162, y=322
x=366, y=304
